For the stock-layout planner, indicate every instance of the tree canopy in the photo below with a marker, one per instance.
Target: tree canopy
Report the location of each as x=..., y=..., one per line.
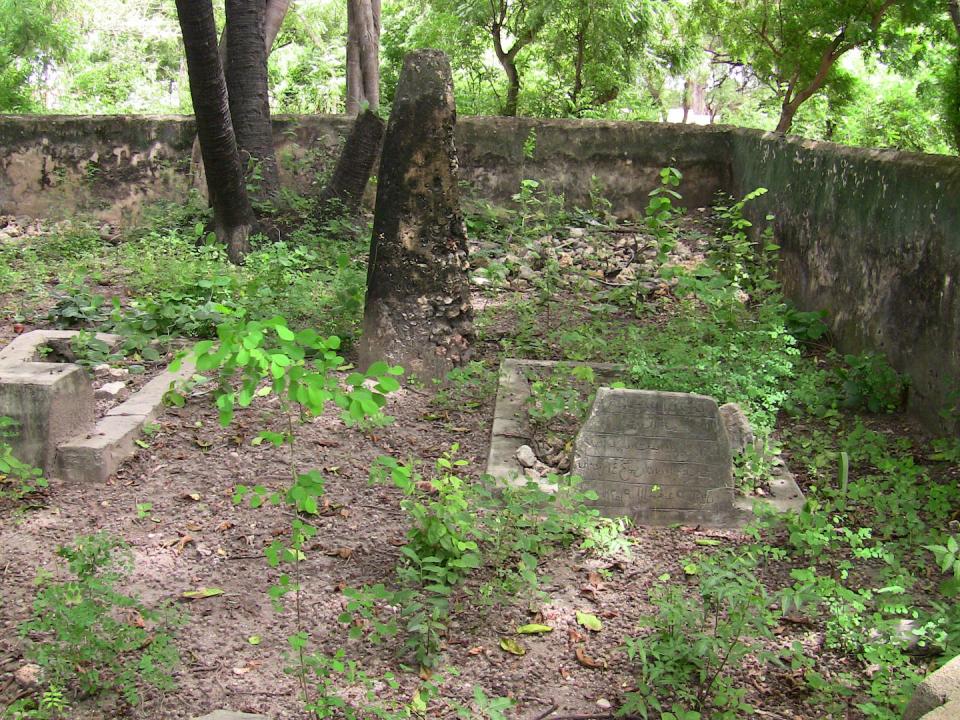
x=884, y=73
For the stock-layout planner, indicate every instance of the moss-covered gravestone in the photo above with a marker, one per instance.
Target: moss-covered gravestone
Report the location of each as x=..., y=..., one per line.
x=417, y=312
x=657, y=457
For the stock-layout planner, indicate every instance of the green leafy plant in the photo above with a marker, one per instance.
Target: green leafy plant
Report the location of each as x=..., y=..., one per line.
x=441, y=550
x=947, y=556
x=51, y=705
x=90, y=638
x=255, y=359
x=692, y=642
x=869, y=383
x=17, y=479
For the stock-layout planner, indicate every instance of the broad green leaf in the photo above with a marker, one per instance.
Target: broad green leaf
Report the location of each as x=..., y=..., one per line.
x=201, y=593
x=589, y=621
x=534, y=629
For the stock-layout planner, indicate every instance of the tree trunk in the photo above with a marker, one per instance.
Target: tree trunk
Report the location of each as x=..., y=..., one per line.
x=509, y=65
x=418, y=312
x=344, y=192
x=233, y=216
x=363, y=55
x=787, y=112
x=246, y=73
x=953, y=8
x=274, y=14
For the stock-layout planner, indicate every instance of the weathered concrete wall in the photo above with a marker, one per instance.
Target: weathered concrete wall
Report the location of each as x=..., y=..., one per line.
x=873, y=237
x=109, y=165
x=625, y=157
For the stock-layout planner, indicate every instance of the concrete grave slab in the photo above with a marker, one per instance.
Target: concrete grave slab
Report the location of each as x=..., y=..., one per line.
x=511, y=430
x=49, y=400
x=511, y=423
x=54, y=404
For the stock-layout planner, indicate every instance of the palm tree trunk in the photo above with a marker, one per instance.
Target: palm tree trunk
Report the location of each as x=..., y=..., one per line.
x=233, y=216
x=246, y=74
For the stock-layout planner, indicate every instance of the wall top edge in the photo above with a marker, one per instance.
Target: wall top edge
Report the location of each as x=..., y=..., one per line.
x=949, y=162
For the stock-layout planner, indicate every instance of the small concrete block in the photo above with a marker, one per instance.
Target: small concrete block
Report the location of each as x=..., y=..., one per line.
x=231, y=715
x=51, y=401
x=95, y=456
x=739, y=431
x=148, y=401
x=938, y=688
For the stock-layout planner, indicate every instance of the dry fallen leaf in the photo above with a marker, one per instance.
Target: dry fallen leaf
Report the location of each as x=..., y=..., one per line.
x=341, y=552
x=588, y=661
x=182, y=543
x=225, y=525
x=478, y=650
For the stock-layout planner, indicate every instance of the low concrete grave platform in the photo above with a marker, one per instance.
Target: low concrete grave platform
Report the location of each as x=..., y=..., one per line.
x=658, y=458
x=938, y=696
x=54, y=406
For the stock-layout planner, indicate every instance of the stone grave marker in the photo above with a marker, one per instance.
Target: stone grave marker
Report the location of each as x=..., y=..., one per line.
x=657, y=457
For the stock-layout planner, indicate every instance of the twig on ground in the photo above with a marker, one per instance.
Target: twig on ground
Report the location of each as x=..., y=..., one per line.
x=547, y=713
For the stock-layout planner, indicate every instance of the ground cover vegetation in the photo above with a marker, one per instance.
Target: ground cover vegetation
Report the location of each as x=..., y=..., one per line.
x=335, y=549
x=878, y=74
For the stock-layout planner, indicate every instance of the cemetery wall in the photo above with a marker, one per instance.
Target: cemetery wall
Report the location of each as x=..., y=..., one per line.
x=872, y=236
x=54, y=166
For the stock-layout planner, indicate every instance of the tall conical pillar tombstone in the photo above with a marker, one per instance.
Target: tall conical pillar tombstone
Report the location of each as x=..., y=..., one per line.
x=418, y=312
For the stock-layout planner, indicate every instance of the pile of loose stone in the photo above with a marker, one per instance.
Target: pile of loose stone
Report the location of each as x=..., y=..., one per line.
x=611, y=256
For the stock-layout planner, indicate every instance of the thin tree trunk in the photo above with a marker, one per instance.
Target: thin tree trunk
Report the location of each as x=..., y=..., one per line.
x=344, y=192
x=787, y=112
x=354, y=73
x=246, y=74
x=233, y=216
x=274, y=14
x=370, y=52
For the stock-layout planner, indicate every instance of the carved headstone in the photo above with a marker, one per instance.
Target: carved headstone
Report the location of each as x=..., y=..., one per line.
x=656, y=457
x=418, y=311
